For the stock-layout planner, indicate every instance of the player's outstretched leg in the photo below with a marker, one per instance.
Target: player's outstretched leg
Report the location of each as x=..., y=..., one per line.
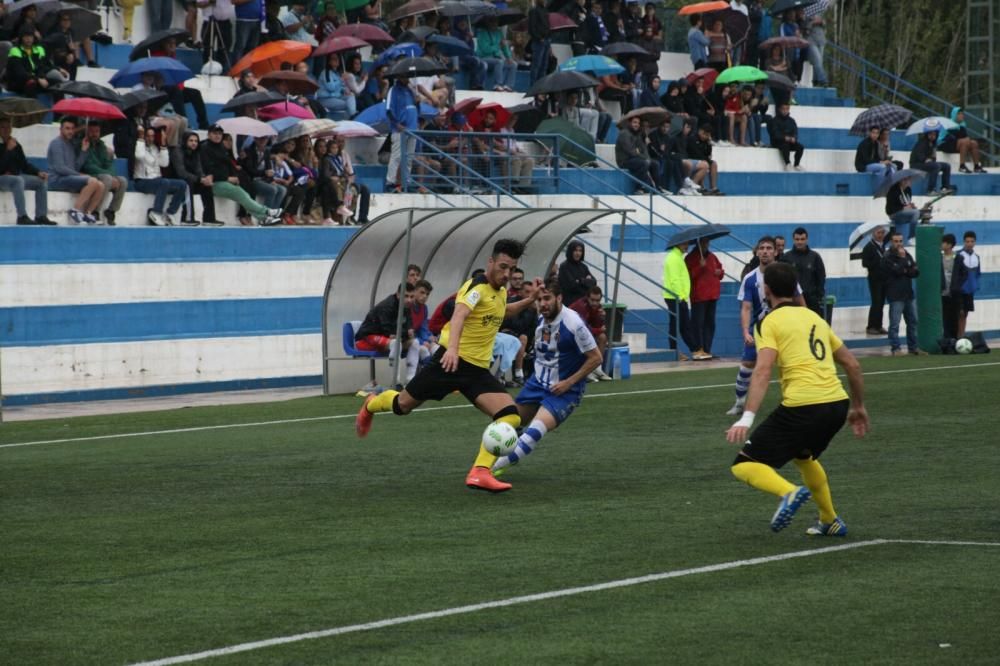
x=526, y=443
x=742, y=386
x=815, y=479
x=480, y=477
x=764, y=477
x=383, y=402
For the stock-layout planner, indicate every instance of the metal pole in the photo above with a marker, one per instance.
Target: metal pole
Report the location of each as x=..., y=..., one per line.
x=614, y=294
x=402, y=300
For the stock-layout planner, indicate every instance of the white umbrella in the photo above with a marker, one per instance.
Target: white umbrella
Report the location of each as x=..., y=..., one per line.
x=864, y=231
x=351, y=128
x=313, y=127
x=932, y=124
x=246, y=127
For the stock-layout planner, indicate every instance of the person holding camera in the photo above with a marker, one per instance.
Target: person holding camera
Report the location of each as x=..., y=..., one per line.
x=151, y=156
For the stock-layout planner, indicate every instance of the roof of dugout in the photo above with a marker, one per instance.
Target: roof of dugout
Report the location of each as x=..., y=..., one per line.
x=448, y=244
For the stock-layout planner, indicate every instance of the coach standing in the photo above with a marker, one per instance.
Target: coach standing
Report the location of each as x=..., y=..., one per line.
x=809, y=265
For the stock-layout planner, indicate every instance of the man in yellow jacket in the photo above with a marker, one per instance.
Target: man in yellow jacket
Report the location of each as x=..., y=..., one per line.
x=677, y=294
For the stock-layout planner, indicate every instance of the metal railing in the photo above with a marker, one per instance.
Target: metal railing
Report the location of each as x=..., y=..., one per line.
x=868, y=82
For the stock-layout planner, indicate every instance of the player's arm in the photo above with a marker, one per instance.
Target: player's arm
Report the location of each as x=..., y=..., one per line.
x=745, y=312
x=858, y=415
x=519, y=306
x=592, y=359
x=449, y=362
x=766, y=357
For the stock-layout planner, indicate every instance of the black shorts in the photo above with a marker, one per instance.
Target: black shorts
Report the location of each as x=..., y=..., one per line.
x=433, y=383
x=794, y=432
x=968, y=303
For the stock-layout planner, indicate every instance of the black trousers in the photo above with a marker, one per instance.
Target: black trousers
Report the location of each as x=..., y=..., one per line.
x=207, y=202
x=876, y=289
x=786, y=149
x=679, y=309
x=703, y=324
x=951, y=306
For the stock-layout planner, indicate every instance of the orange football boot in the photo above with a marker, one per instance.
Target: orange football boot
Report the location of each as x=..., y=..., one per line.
x=363, y=422
x=481, y=478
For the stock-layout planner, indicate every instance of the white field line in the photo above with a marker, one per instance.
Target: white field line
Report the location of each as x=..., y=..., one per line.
x=333, y=417
x=541, y=596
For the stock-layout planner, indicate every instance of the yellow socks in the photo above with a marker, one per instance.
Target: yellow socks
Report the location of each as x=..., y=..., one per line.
x=762, y=477
x=814, y=477
x=382, y=402
x=486, y=459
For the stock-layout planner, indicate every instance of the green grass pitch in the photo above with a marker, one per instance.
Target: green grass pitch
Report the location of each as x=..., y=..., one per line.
x=117, y=550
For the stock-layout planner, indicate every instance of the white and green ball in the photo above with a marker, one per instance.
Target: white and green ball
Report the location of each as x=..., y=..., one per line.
x=499, y=438
x=963, y=346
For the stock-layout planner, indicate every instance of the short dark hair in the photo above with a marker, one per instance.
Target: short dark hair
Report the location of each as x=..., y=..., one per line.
x=407, y=287
x=552, y=284
x=705, y=128
x=517, y=269
x=780, y=278
x=949, y=239
x=595, y=290
x=765, y=239
x=414, y=267
x=67, y=119
x=695, y=18
x=777, y=237
x=512, y=248
x=969, y=234
x=896, y=233
x=423, y=284
x=476, y=273
x=800, y=231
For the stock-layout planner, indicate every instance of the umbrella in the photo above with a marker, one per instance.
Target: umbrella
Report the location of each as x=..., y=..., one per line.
x=784, y=42
x=254, y=98
x=314, y=127
x=284, y=109
x=560, y=81
x=88, y=108
x=408, y=67
x=413, y=8
x=598, y=65
x=352, y=128
x=579, y=149
x=84, y=21
x=374, y=116
x=735, y=24
x=863, y=231
x=466, y=106
x=741, y=73
x=503, y=17
x=502, y=115
x=21, y=111
x=401, y=50
x=450, y=46
x=335, y=44
x=281, y=124
x=142, y=49
x=246, y=127
x=14, y=10
x=298, y=83
x=780, y=81
x=703, y=7
x=173, y=72
x=706, y=73
x=372, y=34
x=88, y=89
x=271, y=56
x=628, y=50
x=416, y=34
x=895, y=177
x=882, y=116
x=528, y=117
x=466, y=8
x=709, y=231
x=654, y=115
x=931, y=124
x=784, y=5
x=153, y=99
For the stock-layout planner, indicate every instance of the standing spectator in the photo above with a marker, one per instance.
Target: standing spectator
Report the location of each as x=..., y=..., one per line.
x=953, y=276
x=493, y=49
x=401, y=110
x=473, y=66
x=185, y=161
x=220, y=169
x=99, y=162
x=338, y=101
x=871, y=259
x=64, y=163
x=974, y=270
x=574, y=276
x=649, y=21
x=706, y=274
x=901, y=269
x=868, y=159
x=274, y=29
x=217, y=31
x=815, y=32
x=591, y=311
x=790, y=28
x=247, y=27
x=161, y=15
x=719, y=46
x=631, y=22
x=739, y=50
x=298, y=22
x=596, y=33
x=779, y=246
x=364, y=194
x=958, y=141
x=631, y=154
x=777, y=62
x=151, y=156
x=17, y=174
x=697, y=43
x=784, y=134
x=924, y=157
x=538, y=30
x=677, y=294
x=901, y=210
x=812, y=272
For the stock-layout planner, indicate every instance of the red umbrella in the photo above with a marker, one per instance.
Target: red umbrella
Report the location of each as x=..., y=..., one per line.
x=706, y=73
x=703, y=7
x=369, y=33
x=502, y=114
x=466, y=105
x=284, y=110
x=335, y=44
x=84, y=107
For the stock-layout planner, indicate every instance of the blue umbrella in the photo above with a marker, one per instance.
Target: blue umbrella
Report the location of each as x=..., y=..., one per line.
x=173, y=72
x=893, y=178
x=281, y=124
x=404, y=50
x=931, y=124
x=597, y=65
x=450, y=46
x=428, y=111
x=709, y=231
x=374, y=116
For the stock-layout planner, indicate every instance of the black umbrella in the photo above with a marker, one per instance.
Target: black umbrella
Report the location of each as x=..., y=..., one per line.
x=627, y=50
x=508, y=16
x=84, y=22
x=253, y=98
x=527, y=118
x=466, y=8
x=780, y=81
x=892, y=179
x=15, y=9
x=782, y=6
x=709, y=231
x=143, y=48
x=91, y=90
x=416, y=67
x=416, y=34
x=153, y=99
x=883, y=116
x=735, y=24
x=560, y=81
x=22, y=111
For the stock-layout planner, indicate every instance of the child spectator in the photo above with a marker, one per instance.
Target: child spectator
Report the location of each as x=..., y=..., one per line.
x=971, y=285
x=953, y=276
x=737, y=112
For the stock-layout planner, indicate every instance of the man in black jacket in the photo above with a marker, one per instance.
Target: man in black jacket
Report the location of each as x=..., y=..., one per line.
x=632, y=154
x=219, y=165
x=871, y=259
x=17, y=174
x=784, y=133
x=699, y=153
x=901, y=268
x=924, y=157
x=866, y=157
x=812, y=272
x=538, y=30
x=27, y=65
x=378, y=330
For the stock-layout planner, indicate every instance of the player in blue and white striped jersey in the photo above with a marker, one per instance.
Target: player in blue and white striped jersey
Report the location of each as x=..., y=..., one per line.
x=565, y=353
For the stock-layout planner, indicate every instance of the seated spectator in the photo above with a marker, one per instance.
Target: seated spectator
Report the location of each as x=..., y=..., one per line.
x=717, y=99
x=699, y=106
x=376, y=88
x=259, y=166
x=650, y=95
x=755, y=107
x=185, y=163
x=902, y=212
x=99, y=162
x=671, y=171
x=518, y=165
x=473, y=66
x=693, y=170
x=633, y=79
x=29, y=71
x=151, y=156
x=378, y=331
x=924, y=158
x=333, y=94
x=420, y=318
x=494, y=50
x=440, y=86
x=179, y=95
x=575, y=278
x=958, y=141
x=283, y=176
x=737, y=112
x=64, y=164
x=674, y=103
x=784, y=134
x=356, y=80
x=336, y=187
x=571, y=111
x=17, y=174
x=884, y=151
x=590, y=106
x=363, y=194
x=699, y=150
x=867, y=158
x=63, y=59
x=248, y=82
x=169, y=117
x=591, y=311
x=632, y=154
x=220, y=167
x=616, y=88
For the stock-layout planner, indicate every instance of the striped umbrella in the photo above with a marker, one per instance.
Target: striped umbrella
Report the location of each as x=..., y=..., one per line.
x=883, y=116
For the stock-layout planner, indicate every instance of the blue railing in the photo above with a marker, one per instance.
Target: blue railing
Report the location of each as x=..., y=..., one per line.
x=868, y=82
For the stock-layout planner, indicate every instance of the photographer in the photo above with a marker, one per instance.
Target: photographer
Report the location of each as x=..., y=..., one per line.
x=150, y=157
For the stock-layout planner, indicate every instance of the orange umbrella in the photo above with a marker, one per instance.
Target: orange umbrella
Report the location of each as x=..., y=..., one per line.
x=703, y=8
x=271, y=56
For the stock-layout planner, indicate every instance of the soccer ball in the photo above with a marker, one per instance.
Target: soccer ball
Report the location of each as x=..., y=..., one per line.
x=499, y=438
x=963, y=346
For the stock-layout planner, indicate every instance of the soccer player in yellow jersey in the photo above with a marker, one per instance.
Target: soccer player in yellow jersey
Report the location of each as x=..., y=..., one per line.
x=813, y=407
x=462, y=362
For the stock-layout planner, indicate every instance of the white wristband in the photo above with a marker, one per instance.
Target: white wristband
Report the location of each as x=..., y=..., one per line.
x=746, y=420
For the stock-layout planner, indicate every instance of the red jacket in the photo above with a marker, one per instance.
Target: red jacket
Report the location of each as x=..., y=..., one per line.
x=592, y=317
x=706, y=281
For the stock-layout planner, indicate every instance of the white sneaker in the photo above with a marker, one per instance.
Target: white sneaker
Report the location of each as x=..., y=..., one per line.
x=690, y=184
x=737, y=408
x=789, y=167
x=603, y=376
x=592, y=377
x=154, y=219
x=167, y=220
x=273, y=212
x=799, y=167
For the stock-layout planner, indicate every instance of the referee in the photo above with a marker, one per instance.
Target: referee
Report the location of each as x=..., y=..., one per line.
x=813, y=407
